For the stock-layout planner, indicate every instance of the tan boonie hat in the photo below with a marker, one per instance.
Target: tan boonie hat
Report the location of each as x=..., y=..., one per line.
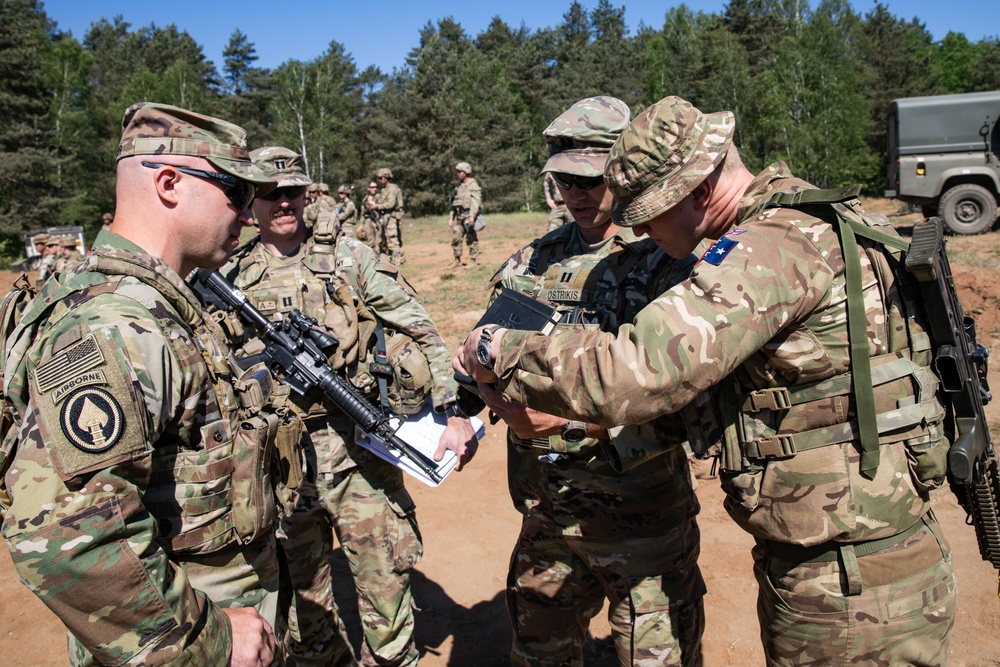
x=281, y=164
x=581, y=138
x=41, y=237
x=161, y=129
x=662, y=156
x=464, y=166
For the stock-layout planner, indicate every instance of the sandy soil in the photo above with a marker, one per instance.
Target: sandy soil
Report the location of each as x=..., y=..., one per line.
x=469, y=527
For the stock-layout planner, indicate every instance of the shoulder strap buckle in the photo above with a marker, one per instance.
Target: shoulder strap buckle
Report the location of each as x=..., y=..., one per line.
x=771, y=398
x=771, y=447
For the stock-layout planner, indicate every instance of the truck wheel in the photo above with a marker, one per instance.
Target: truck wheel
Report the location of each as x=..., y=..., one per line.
x=968, y=209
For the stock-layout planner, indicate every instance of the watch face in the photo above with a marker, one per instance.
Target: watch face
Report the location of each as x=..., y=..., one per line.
x=574, y=432
x=483, y=354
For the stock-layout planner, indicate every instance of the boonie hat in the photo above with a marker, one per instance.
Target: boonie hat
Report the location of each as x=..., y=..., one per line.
x=161, y=129
x=281, y=164
x=580, y=138
x=662, y=156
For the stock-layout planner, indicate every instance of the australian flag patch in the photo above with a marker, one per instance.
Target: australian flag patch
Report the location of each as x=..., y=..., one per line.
x=721, y=248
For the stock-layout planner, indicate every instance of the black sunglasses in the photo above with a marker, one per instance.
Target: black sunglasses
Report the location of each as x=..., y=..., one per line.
x=290, y=192
x=240, y=192
x=567, y=181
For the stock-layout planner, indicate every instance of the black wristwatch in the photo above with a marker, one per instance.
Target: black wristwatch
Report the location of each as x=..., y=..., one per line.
x=574, y=431
x=452, y=410
x=483, y=352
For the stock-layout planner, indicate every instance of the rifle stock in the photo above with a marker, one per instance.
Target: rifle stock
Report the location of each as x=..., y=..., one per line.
x=300, y=351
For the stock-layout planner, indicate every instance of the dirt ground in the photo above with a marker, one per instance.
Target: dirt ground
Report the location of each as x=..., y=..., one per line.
x=469, y=525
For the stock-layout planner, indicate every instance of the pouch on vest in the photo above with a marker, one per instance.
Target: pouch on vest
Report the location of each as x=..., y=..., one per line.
x=11, y=308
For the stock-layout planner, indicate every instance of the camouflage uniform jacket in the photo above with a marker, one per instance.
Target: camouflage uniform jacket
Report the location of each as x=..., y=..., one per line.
x=468, y=198
x=552, y=191
x=347, y=213
x=574, y=488
x=390, y=201
x=46, y=267
x=311, y=212
x=765, y=308
x=132, y=494
x=276, y=285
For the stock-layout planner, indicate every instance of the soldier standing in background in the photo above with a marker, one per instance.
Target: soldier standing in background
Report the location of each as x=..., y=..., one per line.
x=50, y=255
x=347, y=212
x=389, y=205
x=371, y=222
x=133, y=502
x=575, y=547
x=321, y=204
x=106, y=221
x=558, y=213
x=850, y=563
x=464, y=209
x=342, y=284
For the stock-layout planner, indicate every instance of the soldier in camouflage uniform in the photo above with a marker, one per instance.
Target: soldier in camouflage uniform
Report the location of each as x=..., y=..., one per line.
x=576, y=547
x=464, y=209
x=65, y=254
x=389, y=205
x=106, y=221
x=46, y=267
x=321, y=204
x=370, y=226
x=332, y=279
x=136, y=494
x=558, y=213
x=347, y=212
x=849, y=559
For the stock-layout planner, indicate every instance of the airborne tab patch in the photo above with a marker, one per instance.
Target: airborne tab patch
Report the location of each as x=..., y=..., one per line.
x=73, y=361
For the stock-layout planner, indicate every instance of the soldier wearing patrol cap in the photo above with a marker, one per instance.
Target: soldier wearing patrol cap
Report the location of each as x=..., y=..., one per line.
x=106, y=221
x=464, y=209
x=818, y=362
x=321, y=203
x=640, y=551
x=134, y=501
x=389, y=207
x=344, y=285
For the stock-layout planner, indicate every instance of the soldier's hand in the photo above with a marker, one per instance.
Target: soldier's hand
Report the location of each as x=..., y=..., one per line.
x=524, y=421
x=253, y=638
x=465, y=362
x=459, y=437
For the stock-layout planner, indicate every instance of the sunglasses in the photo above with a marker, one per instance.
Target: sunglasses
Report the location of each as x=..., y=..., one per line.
x=567, y=181
x=290, y=192
x=239, y=192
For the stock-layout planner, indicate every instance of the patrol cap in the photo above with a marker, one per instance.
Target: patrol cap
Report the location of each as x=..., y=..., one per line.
x=383, y=172
x=464, y=166
x=313, y=187
x=324, y=188
x=344, y=190
x=161, y=129
x=662, y=156
x=67, y=242
x=107, y=217
x=581, y=137
x=281, y=164
x=52, y=240
x=41, y=237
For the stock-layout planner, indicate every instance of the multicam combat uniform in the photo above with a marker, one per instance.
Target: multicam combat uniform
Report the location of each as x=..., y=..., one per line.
x=371, y=233
x=323, y=204
x=347, y=214
x=588, y=531
x=361, y=495
x=136, y=494
x=464, y=208
x=558, y=214
x=389, y=204
x=847, y=566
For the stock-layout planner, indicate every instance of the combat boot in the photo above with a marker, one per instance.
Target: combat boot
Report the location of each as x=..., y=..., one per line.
x=455, y=263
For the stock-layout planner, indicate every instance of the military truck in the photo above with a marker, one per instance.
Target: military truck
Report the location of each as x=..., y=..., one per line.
x=944, y=156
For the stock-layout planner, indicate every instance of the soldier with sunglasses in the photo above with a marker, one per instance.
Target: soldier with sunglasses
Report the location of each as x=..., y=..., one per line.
x=134, y=502
x=589, y=533
x=342, y=284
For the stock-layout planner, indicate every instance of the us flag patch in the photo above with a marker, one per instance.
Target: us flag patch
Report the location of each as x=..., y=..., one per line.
x=72, y=361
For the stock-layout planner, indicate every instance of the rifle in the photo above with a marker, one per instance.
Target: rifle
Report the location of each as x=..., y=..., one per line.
x=300, y=351
x=961, y=365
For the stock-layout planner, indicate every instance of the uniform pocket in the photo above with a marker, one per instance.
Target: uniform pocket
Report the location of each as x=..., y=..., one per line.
x=405, y=544
x=253, y=495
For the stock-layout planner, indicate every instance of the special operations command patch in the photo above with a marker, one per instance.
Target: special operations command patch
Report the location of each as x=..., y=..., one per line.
x=91, y=420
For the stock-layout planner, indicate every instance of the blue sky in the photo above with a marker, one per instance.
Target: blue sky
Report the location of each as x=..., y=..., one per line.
x=382, y=33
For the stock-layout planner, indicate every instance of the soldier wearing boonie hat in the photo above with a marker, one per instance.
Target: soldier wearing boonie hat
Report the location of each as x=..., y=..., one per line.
x=845, y=537
x=639, y=552
x=119, y=451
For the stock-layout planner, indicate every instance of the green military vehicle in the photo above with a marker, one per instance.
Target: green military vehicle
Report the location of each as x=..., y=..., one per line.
x=944, y=156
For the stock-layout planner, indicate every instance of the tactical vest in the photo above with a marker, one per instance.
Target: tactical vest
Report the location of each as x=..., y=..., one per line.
x=887, y=403
x=207, y=492
x=314, y=287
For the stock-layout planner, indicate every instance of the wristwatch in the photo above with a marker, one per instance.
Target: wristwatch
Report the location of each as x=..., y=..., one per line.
x=574, y=431
x=452, y=410
x=483, y=352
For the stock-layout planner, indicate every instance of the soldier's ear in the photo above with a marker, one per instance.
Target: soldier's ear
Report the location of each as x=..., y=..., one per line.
x=701, y=196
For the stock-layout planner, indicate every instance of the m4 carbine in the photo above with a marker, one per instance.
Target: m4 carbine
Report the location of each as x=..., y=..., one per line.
x=297, y=351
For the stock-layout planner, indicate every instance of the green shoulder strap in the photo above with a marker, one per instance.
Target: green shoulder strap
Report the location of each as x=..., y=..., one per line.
x=821, y=203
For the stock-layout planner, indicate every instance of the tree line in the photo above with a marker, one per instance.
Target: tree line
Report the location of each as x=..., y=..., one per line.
x=808, y=85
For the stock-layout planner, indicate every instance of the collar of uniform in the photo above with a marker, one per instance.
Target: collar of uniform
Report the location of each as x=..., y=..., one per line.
x=760, y=187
